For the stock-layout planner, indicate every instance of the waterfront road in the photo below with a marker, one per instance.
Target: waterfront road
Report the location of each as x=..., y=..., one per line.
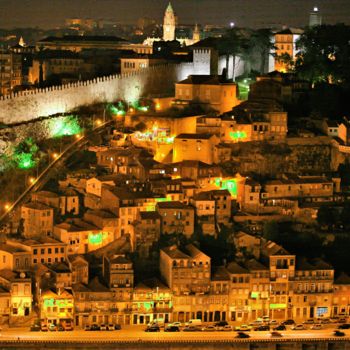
x=136, y=333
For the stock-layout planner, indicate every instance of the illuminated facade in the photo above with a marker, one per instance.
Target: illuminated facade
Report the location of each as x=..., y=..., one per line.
x=152, y=300
x=194, y=147
x=176, y=218
x=81, y=237
x=210, y=91
x=67, y=202
x=38, y=219
x=169, y=24
x=285, y=44
x=19, y=285
x=56, y=307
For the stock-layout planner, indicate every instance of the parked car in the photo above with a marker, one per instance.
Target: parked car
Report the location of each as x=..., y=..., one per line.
x=256, y=323
x=194, y=322
x=209, y=328
x=60, y=328
x=309, y=321
x=220, y=324
x=344, y=326
x=153, y=328
x=266, y=318
x=67, y=326
x=299, y=327
x=103, y=327
x=177, y=324
x=276, y=334
x=288, y=322
x=227, y=328
x=338, y=333
x=280, y=327
x=110, y=327
x=262, y=328
x=192, y=329
x=117, y=327
x=317, y=326
x=87, y=327
x=243, y=328
x=273, y=322
x=342, y=320
x=242, y=335
x=171, y=328
x=325, y=321
x=94, y=327
x=35, y=328
x=52, y=327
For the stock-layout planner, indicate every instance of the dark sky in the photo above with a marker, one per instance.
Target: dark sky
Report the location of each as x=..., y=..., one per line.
x=249, y=13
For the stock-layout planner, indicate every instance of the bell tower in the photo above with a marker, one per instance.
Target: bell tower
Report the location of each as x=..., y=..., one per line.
x=169, y=24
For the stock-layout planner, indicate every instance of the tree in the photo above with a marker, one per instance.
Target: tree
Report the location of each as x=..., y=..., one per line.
x=271, y=230
x=230, y=45
x=324, y=54
x=327, y=216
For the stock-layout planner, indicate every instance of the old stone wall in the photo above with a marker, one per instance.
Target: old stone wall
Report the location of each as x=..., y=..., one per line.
x=28, y=105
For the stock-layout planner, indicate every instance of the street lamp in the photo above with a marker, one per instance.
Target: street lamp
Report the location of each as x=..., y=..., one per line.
x=7, y=206
x=32, y=180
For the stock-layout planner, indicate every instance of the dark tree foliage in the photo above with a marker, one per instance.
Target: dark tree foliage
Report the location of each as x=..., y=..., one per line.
x=325, y=54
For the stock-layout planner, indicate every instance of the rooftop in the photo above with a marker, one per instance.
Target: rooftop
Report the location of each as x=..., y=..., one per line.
x=205, y=80
x=194, y=136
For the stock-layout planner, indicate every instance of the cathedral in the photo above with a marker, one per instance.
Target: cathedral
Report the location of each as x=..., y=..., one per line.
x=169, y=28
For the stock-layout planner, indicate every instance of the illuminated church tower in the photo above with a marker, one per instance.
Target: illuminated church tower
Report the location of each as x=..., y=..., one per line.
x=169, y=24
x=196, y=34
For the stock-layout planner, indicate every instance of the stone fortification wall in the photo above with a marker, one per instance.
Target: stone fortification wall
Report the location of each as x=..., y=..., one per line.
x=29, y=105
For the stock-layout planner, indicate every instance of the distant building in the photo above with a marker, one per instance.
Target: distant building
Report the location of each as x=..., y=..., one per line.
x=10, y=71
x=37, y=220
x=211, y=92
x=285, y=47
x=176, y=218
x=315, y=18
x=194, y=147
x=169, y=30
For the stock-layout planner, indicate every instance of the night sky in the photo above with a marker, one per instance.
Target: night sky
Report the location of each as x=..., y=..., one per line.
x=249, y=13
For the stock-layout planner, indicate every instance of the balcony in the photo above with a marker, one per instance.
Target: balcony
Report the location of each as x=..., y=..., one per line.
x=162, y=309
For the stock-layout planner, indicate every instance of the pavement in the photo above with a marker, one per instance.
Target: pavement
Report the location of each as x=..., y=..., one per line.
x=137, y=333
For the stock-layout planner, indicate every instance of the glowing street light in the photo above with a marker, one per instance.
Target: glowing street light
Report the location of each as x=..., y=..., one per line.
x=7, y=206
x=232, y=24
x=98, y=122
x=54, y=155
x=32, y=180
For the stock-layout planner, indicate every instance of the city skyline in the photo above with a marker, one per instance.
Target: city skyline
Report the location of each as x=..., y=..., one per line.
x=252, y=13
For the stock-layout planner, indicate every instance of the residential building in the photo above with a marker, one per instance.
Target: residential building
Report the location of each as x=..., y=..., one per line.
x=64, y=203
x=81, y=237
x=176, y=218
x=37, y=220
x=42, y=250
x=285, y=47
x=96, y=304
x=199, y=147
x=135, y=62
x=212, y=92
x=56, y=306
x=14, y=258
x=10, y=71
x=341, y=295
x=152, y=300
x=147, y=231
x=79, y=268
x=19, y=285
x=185, y=271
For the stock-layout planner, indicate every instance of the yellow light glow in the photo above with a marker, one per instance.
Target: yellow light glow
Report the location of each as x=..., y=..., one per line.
x=98, y=122
x=7, y=206
x=77, y=136
x=54, y=155
x=131, y=110
x=158, y=107
x=32, y=180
